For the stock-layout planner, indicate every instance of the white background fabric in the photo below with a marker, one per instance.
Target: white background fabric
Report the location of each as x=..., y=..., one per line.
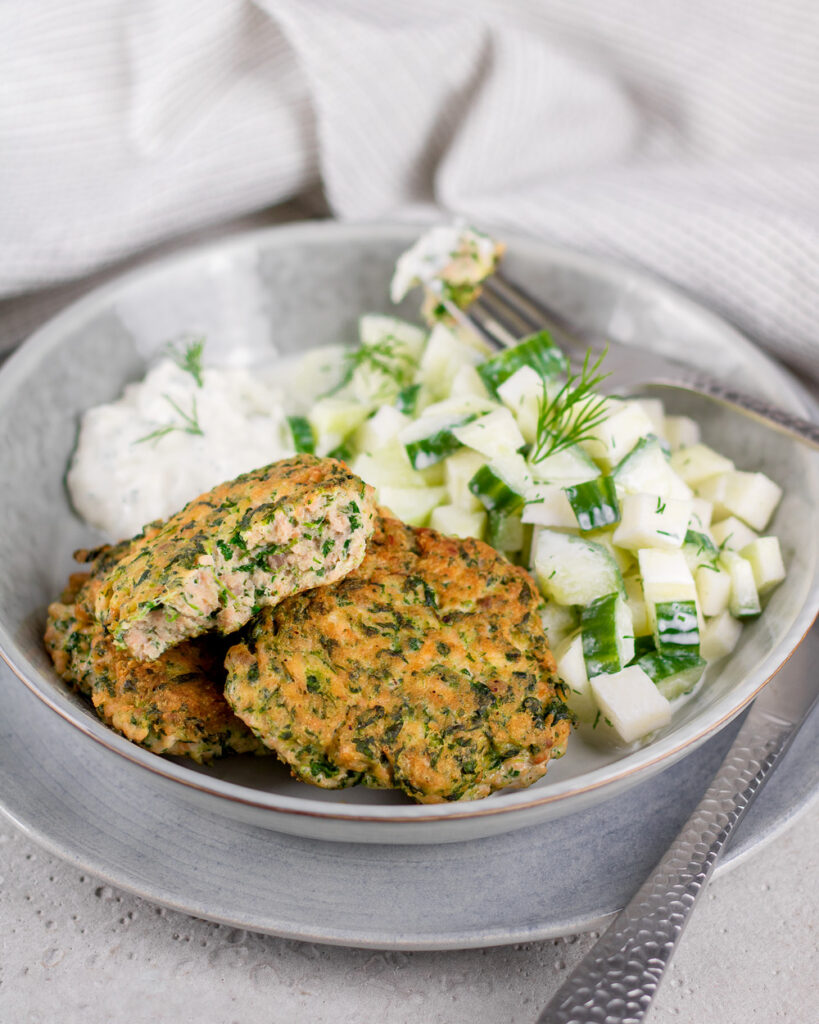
x=682, y=135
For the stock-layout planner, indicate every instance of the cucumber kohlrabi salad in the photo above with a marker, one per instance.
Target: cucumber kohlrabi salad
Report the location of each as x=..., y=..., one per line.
x=647, y=545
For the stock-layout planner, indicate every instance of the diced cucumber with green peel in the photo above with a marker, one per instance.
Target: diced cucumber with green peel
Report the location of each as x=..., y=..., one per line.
x=570, y=466
x=713, y=585
x=573, y=570
x=649, y=521
x=646, y=470
x=430, y=439
x=407, y=400
x=333, y=420
x=731, y=534
x=467, y=381
x=608, y=634
x=673, y=674
x=594, y=503
x=522, y=394
x=302, y=434
x=744, y=600
x=676, y=626
x=505, y=531
x=538, y=352
x=501, y=485
x=630, y=701
x=720, y=636
x=666, y=577
x=413, y=505
x=765, y=558
x=637, y=606
x=380, y=429
x=457, y=522
x=459, y=469
x=617, y=435
x=699, y=550
x=626, y=560
x=697, y=462
x=558, y=621
x=571, y=667
x=495, y=434
x=548, y=505
x=387, y=467
x=444, y=355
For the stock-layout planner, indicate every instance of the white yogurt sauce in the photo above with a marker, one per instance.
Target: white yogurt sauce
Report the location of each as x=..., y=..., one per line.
x=120, y=479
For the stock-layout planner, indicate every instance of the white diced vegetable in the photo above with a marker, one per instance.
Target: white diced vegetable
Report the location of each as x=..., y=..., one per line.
x=618, y=434
x=751, y=496
x=494, y=435
x=334, y=419
x=458, y=471
x=572, y=570
x=412, y=504
x=631, y=703
x=444, y=355
x=646, y=470
x=713, y=589
x=712, y=489
x=626, y=560
x=608, y=634
x=548, y=505
x=387, y=467
x=702, y=512
x=521, y=394
x=381, y=429
x=567, y=467
x=571, y=667
x=697, y=462
x=558, y=622
x=744, y=600
x=666, y=577
x=467, y=381
x=719, y=636
x=457, y=522
x=765, y=558
x=637, y=604
x=375, y=327
x=654, y=409
x=732, y=534
x=681, y=432
x=648, y=521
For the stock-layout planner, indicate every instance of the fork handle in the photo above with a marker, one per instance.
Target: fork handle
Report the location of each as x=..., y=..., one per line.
x=785, y=422
x=618, y=978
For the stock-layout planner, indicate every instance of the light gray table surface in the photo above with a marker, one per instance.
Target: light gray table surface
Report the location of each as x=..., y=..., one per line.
x=72, y=949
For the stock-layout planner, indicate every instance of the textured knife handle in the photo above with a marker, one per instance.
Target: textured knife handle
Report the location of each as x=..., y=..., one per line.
x=757, y=407
x=617, y=980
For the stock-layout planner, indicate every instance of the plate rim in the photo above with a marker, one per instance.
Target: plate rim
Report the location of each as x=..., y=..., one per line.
x=633, y=767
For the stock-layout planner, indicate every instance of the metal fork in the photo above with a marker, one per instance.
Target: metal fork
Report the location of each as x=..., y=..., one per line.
x=503, y=313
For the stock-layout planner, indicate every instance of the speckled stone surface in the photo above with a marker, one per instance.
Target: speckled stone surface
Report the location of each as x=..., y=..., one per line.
x=75, y=951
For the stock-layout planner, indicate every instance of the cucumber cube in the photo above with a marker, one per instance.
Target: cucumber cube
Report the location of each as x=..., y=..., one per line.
x=548, y=505
x=713, y=589
x=456, y=522
x=571, y=667
x=666, y=577
x=655, y=410
x=732, y=534
x=751, y=496
x=459, y=469
x=573, y=570
x=522, y=394
x=387, y=467
x=649, y=521
x=567, y=467
x=467, y=381
x=444, y=355
x=702, y=512
x=697, y=462
x=333, y=420
x=765, y=558
x=618, y=434
x=677, y=627
x=744, y=600
x=608, y=634
x=505, y=531
x=720, y=636
x=413, y=505
x=538, y=352
x=712, y=489
x=637, y=605
x=558, y=622
x=646, y=470
x=681, y=432
x=673, y=674
x=374, y=328
x=594, y=503
x=380, y=429
x=495, y=434
x=631, y=702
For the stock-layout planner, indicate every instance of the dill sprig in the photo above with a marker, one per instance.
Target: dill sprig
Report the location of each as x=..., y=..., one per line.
x=189, y=358
x=189, y=424
x=574, y=413
x=388, y=356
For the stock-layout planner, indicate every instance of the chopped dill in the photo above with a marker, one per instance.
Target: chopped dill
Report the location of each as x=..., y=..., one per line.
x=574, y=413
x=189, y=358
x=189, y=424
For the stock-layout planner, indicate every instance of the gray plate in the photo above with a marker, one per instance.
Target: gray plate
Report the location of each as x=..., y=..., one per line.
x=88, y=806
x=298, y=286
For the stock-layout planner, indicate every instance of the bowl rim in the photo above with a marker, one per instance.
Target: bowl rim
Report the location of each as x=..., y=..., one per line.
x=630, y=768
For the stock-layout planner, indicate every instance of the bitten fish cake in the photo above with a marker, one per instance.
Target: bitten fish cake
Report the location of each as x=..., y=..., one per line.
x=241, y=547
x=426, y=669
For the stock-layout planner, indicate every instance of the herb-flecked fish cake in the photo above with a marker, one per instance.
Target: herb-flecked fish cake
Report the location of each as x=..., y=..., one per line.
x=173, y=705
x=236, y=549
x=427, y=669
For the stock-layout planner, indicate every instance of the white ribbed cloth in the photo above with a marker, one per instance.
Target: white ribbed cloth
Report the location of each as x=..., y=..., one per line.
x=681, y=136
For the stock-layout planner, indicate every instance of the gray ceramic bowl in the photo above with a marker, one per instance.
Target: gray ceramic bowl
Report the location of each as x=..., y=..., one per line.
x=290, y=288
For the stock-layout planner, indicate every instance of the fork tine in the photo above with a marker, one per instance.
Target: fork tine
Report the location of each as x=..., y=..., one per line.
x=481, y=323
x=538, y=315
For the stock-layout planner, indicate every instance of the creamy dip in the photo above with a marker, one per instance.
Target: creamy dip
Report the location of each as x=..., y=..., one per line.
x=445, y=251
x=169, y=439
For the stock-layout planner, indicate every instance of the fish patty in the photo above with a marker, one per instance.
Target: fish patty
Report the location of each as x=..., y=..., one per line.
x=426, y=669
x=174, y=705
x=236, y=549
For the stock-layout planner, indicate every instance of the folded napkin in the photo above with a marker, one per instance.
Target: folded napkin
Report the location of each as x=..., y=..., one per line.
x=681, y=137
